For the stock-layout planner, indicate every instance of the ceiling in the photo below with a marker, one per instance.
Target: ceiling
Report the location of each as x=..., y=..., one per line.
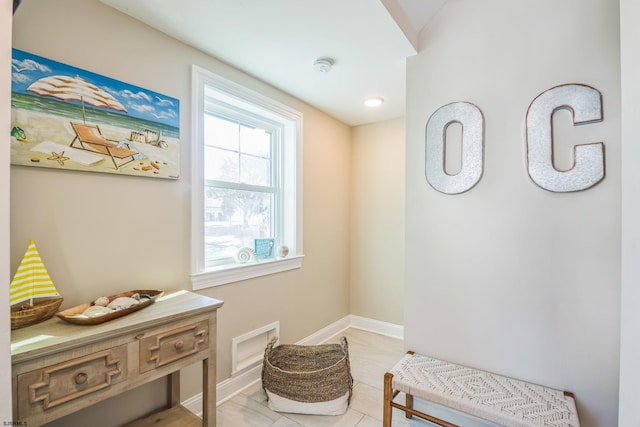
x=277, y=41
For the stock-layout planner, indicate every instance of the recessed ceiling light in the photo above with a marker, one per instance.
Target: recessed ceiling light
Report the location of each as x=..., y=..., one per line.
x=373, y=102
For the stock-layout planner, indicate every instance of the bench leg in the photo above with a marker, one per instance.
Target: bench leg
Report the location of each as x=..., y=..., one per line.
x=409, y=405
x=388, y=396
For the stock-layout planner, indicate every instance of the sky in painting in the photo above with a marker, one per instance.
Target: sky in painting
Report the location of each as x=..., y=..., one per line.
x=140, y=103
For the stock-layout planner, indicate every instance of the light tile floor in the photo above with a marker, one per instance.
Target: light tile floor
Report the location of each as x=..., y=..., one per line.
x=370, y=354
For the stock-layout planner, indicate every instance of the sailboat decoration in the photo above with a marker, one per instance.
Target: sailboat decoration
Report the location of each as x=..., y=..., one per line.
x=33, y=297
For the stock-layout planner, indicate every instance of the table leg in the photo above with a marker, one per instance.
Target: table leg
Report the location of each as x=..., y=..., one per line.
x=174, y=389
x=208, y=393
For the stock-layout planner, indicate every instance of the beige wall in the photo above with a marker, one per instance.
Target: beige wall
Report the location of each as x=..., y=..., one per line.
x=509, y=277
x=377, y=221
x=100, y=234
x=5, y=114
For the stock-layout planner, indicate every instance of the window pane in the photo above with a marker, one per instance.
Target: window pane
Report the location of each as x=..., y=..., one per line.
x=255, y=170
x=255, y=141
x=233, y=218
x=221, y=164
x=221, y=133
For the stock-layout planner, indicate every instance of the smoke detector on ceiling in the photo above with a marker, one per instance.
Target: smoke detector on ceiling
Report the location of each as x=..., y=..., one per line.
x=323, y=64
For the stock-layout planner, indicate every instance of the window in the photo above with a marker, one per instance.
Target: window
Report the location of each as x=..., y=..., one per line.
x=246, y=181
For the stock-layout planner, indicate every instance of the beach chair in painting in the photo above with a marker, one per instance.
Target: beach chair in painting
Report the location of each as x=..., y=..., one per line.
x=89, y=137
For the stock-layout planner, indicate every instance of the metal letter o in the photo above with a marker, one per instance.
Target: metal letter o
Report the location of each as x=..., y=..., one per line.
x=472, y=121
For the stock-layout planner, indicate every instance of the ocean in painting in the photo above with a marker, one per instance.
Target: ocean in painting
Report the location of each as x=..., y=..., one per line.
x=73, y=112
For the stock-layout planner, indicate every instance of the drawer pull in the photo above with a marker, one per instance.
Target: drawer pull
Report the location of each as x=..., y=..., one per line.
x=81, y=378
x=179, y=345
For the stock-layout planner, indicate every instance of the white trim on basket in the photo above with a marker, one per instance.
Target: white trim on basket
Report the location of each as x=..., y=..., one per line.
x=331, y=407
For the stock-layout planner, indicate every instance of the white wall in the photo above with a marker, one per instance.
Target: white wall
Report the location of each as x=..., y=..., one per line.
x=377, y=221
x=509, y=277
x=5, y=115
x=630, y=318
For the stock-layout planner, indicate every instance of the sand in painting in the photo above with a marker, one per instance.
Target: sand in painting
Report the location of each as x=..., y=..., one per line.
x=57, y=134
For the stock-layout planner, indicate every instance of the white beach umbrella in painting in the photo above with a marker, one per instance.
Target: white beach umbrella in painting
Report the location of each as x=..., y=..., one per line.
x=69, y=88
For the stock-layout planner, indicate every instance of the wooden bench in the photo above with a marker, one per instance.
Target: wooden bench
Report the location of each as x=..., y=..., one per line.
x=491, y=397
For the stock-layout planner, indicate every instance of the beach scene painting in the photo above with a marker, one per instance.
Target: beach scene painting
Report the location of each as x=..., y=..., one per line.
x=64, y=117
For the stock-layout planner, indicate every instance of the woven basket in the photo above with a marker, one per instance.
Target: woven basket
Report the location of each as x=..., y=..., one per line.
x=309, y=379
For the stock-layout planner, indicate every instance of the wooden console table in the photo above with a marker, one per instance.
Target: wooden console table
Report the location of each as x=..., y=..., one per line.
x=59, y=368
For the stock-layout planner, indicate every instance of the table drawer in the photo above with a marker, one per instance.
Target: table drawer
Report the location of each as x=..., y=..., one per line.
x=47, y=388
x=167, y=347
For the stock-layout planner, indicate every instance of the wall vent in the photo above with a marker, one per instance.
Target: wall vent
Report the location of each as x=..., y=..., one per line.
x=247, y=350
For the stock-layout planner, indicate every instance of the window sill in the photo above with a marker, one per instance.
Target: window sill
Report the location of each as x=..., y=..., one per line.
x=238, y=272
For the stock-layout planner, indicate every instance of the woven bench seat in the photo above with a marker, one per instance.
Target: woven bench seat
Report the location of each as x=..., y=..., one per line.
x=492, y=397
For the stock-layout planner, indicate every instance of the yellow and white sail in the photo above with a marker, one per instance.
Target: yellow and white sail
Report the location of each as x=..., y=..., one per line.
x=31, y=279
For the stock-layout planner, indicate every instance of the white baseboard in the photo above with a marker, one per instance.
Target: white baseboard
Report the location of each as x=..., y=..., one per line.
x=377, y=326
x=326, y=333
x=230, y=387
x=194, y=404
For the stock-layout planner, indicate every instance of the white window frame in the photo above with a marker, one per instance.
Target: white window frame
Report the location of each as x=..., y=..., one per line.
x=228, y=92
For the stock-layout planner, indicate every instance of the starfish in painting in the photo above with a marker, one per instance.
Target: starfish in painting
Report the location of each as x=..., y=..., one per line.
x=59, y=157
